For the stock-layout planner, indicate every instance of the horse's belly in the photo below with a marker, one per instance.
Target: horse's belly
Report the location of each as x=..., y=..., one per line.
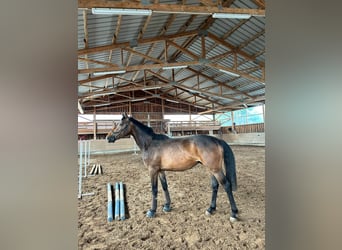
x=174, y=164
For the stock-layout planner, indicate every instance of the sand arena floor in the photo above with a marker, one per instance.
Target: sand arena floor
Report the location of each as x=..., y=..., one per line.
x=186, y=226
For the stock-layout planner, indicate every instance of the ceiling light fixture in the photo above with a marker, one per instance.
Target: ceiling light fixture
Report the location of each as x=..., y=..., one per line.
x=113, y=11
x=138, y=99
x=151, y=87
x=176, y=67
x=231, y=15
x=99, y=93
x=101, y=73
x=80, y=108
x=181, y=12
x=229, y=73
x=169, y=100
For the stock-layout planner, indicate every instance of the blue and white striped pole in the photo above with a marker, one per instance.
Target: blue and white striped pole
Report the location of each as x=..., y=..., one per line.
x=117, y=201
x=122, y=202
x=110, y=203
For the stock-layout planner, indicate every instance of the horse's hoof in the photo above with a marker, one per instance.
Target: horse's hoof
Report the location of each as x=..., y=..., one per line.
x=150, y=214
x=166, y=208
x=210, y=211
x=233, y=219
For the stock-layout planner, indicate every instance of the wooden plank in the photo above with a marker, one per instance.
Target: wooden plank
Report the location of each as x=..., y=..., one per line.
x=168, y=8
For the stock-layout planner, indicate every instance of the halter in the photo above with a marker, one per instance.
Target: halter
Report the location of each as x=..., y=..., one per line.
x=123, y=131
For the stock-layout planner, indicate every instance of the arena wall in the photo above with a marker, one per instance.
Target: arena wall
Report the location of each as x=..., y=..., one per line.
x=128, y=144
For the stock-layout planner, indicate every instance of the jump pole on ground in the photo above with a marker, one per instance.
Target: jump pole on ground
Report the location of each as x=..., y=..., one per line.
x=122, y=202
x=117, y=201
x=92, y=171
x=110, y=203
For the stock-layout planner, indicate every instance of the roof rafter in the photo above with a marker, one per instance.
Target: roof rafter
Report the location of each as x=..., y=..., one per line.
x=168, y=8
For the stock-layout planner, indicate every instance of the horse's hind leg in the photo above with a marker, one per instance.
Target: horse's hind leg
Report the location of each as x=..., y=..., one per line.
x=214, y=185
x=227, y=187
x=167, y=205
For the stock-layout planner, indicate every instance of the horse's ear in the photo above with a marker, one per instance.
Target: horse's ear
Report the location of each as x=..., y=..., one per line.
x=124, y=115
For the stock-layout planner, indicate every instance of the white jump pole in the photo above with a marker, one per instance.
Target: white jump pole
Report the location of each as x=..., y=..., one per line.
x=85, y=157
x=92, y=170
x=122, y=202
x=80, y=172
x=110, y=203
x=83, y=149
x=117, y=201
x=89, y=153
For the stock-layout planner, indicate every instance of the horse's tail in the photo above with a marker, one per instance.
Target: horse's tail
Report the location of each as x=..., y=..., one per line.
x=229, y=162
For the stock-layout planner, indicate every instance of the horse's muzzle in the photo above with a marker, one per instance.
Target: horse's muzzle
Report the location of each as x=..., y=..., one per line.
x=111, y=139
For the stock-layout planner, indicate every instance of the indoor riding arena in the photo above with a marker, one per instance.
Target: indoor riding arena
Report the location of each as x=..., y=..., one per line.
x=186, y=226
x=152, y=74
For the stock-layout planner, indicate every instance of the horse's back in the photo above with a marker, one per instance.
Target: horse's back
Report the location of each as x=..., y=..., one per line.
x=185, y=152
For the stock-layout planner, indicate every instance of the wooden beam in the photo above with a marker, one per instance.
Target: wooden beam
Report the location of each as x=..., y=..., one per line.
x=220, y=56
x=142, y=55
x=242, y=74
x=93, y=79
x=97, y=62
x=260, y=3
x=138, y=67
x=220, y=83
x=232, y=47
x=203, y=52
x=163, y=79
x=245, y=43
x=168, y=8
x=140, y=41
x=230, y=106
x=236, y=27
x=204, y=26
x=185, y=51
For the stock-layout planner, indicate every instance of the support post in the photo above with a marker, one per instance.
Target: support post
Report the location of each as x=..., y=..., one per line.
x=94, y=124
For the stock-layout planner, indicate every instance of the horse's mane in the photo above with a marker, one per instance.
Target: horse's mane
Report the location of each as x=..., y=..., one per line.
x=143, y=127
x=148, y=130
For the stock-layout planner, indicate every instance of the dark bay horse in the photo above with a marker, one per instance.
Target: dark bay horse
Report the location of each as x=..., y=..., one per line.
x=161, y=153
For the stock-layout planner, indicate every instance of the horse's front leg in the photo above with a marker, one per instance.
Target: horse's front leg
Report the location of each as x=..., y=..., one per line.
x=154, y=185
x=167, y=205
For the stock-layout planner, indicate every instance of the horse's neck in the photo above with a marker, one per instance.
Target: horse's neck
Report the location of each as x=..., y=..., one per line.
x=142, y=139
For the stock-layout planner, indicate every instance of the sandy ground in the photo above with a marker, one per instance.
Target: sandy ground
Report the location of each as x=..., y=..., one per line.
x=186, y=226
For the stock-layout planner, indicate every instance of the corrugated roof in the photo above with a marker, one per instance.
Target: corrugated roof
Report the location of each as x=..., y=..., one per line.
x=137, y=44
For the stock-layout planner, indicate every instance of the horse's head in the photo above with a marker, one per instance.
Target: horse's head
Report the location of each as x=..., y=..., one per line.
x=119, y=130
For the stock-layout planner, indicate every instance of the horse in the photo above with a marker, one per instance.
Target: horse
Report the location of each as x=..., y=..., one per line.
x=161, y=153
